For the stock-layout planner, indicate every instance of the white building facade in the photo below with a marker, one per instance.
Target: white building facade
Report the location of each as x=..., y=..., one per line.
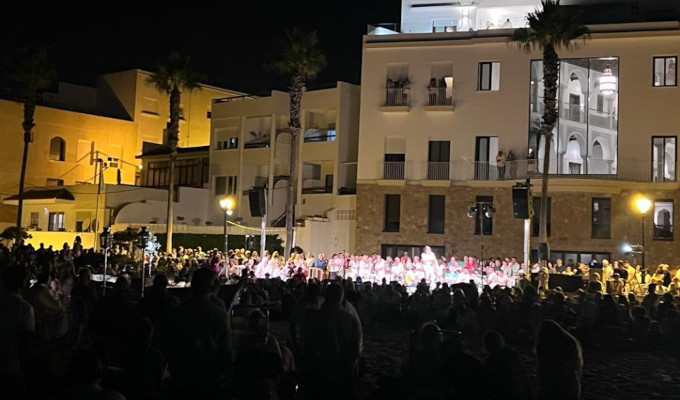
x=439, y=102
x=250, y=147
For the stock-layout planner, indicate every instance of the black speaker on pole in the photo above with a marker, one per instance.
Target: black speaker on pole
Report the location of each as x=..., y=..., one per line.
x=258, y=202
x=522, y=206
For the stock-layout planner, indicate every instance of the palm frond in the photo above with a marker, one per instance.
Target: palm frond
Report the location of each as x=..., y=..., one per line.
x=298, y=53
x=175, y=72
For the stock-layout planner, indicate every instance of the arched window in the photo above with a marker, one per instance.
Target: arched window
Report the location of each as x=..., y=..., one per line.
x=57, y=149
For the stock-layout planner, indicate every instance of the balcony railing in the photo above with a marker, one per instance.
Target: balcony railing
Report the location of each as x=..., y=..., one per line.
x=397, y=97
x=394, y=170
x=576, y=113
x=438, y=171
x=468, y=170
x=437, y=97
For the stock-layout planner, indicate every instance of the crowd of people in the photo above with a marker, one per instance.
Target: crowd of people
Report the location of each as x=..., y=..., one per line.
x=213, y=338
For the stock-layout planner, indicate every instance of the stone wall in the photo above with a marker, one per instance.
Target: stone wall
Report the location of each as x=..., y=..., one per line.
x=571, y=219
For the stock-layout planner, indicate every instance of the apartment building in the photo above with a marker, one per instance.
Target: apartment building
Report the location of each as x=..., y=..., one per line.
x=86, y=134
x=250, y=147
x=445, y=91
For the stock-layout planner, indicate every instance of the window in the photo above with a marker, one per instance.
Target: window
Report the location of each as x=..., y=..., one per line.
x=226, y=184
x=436, y=212
x=55, y=182
x=438, y=160
x=601, y=222
x=663, y=219
x=35, y=217
x=57, y=149
x=231, y=143
x=489, y=76
x=483, y=224
x=663, y=158
x=56, y=221
x=536, y=219
x=665, y=72
x=392, y=212
x=208, y=114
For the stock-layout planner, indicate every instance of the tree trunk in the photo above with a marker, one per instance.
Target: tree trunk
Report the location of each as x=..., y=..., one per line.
x=295, y=93
x=27, y=125
x=171, y=206
x=550, y=72
x=173, y=142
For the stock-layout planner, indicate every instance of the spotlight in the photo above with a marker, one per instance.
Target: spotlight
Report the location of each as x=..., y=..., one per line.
x=490, y=211
x=472, y=212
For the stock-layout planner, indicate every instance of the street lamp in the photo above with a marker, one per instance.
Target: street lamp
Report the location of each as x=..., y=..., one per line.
x=106, y=238
x=143, y=239
x=643, y=205
x=227, y=205
x=481, y=209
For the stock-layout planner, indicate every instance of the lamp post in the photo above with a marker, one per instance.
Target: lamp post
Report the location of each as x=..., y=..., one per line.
x=643, y=205
x=143, y=238
x=105, y=243
x=227, y=205
x=481, y=209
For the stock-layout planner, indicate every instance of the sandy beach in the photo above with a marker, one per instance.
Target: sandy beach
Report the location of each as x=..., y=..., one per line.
x=609, y=372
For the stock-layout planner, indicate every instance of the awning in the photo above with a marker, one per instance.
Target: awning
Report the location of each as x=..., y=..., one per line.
x=46, y=195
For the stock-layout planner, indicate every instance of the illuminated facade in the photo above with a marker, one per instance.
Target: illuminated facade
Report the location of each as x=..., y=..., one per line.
x=250, y=147
x=80, y=131
x=438, y=103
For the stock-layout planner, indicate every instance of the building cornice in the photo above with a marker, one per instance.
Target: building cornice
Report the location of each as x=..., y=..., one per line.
x=641, y=29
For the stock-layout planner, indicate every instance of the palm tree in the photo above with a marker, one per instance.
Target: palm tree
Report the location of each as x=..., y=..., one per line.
x=299, y=56
x=172, y=77
x=551, y=28
x=32, y=72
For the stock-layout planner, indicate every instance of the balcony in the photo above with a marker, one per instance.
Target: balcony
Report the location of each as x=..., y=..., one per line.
x=393, y=170
x=317, y=135
x=438, y=171
x=439, y=100
x=396, y=99
x=467, y=170
x=576, y=113
x=621, y=170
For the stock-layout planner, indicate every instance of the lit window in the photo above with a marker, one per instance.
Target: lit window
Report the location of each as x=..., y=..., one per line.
x=665, y=72
x=663, y=219
x=56, y=221
x=489, y=76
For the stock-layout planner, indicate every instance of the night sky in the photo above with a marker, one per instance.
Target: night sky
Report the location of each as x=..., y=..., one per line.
x=228, y=42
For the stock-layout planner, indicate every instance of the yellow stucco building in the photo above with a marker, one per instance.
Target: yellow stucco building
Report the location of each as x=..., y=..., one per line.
x=83, y=132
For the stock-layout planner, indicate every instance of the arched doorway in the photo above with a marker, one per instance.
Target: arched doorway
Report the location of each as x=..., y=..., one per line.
x=573, y=161
x=597, y=162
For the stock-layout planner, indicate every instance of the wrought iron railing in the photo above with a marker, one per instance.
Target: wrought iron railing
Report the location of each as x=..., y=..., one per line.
x=468, y=170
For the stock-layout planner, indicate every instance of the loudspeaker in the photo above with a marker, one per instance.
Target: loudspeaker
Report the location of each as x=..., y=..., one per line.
x=258, y=202
x=522, y=206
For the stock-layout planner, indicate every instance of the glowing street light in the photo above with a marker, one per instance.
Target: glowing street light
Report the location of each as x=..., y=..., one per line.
x=227, y=204
x=643, y=205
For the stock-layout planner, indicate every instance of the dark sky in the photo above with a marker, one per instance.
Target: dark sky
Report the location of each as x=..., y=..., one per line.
x=228, y=41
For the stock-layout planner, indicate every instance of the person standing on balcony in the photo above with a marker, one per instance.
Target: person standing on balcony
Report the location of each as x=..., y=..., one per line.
x=432, y=91
x=500, y=165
